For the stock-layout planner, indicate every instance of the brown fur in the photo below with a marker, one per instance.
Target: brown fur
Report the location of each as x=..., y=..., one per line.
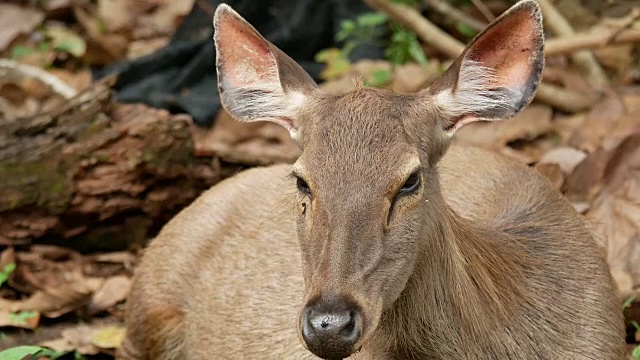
x=484, y=261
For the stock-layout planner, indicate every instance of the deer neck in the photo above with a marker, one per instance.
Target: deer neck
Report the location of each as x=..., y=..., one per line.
x=466, y=282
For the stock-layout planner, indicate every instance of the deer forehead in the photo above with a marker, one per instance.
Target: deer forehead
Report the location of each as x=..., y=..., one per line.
x=358, y=136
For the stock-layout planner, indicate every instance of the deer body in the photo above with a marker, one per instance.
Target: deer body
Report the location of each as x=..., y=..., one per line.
x=214, y=280
x=376, y=244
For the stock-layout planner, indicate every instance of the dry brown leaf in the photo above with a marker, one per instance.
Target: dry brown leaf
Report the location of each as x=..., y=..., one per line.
x=45, y=266
x=581, y=207
x=602, y=118
x=25, y=320
x=143, y=47
x=616, y=212
x=53, y=252
x=123, y=257
x=7, y=257
x=412, y=77
x=553, y=173
x=531, y=123
x=55, y=7
x=616, y=57
x=617, y=219
x=568, y=78
x=631, y=100
x=63, y=345
x=517, y=155
x=102, y=48
x=565, y=126
x=258, y=143
x=56, y=301
x=79, y=80
x=116, y=15
x=163, y=20
x=109, y=337
x=114, y=290
x=16, y=20
x=585, y=182
x=88, y=339
x=566, y=157
x=75, y=339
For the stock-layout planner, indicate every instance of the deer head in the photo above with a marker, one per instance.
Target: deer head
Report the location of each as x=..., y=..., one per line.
x=366, y=180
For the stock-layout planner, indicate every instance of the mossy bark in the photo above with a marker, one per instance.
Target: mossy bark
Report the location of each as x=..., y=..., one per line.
x=96, y=174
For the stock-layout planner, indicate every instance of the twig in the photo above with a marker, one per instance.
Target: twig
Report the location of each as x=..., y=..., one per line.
x=592, y=40
x=563, y=99
x=560, y=98
x=444, y=8
x=584, y=59
x=484, y=10
x=628, y=22
x=425, y=29
x=206, y=7
x=14, y=70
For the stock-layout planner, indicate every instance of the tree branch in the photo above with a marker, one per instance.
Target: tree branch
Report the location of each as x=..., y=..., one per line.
x=563, y=99
x=484, y=9
x=593, y=40
x=560, y=98
x=444, y=8
x=585, y=60
x=10, y=69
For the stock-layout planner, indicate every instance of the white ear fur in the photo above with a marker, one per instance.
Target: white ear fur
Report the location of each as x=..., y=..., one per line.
x=249, y=77
x=266, y=101
x=475, y=93
x=498, y=72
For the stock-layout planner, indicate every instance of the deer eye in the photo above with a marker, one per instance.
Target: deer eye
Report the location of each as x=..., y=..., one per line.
x=411, y=184
x=302, y=185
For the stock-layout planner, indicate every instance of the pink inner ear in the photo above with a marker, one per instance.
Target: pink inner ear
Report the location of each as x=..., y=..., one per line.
x=244, y=57
x=509, y=48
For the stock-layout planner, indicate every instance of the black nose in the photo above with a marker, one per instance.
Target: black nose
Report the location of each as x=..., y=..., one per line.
x=331, y=328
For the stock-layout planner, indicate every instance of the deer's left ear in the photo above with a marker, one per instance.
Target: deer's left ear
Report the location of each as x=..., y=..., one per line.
x=257, y=81
x=497, y=74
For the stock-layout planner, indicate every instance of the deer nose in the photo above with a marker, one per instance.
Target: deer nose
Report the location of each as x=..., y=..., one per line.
x=331, y=330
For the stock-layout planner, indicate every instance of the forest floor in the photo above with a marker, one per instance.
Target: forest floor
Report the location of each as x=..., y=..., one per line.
x=585, y=139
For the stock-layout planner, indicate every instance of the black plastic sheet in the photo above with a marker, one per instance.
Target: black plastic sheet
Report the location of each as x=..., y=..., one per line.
x=182, y=78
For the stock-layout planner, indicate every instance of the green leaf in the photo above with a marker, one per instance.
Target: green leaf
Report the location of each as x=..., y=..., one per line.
x=347, y=27
x=337, y=63
x=372, y=19
x=43, y=46
x=636, y=352
x=6, y=272
x=65, y=40
x=51, y=354
x=407, y=2
x=18, y=353
x=22, y=316
x=400, y=35
x=416, y=52
x=465, y=30
x=628, y=302
x=20, y=51
x=379, y=78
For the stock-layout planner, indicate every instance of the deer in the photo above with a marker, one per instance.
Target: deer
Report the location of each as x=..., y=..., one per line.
x=383, y=240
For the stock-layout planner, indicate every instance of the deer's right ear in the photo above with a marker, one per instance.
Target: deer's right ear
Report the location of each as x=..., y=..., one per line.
x=497, y=74
x=256, y=80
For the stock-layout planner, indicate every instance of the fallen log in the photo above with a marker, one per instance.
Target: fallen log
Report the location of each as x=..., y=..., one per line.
x=94, y=175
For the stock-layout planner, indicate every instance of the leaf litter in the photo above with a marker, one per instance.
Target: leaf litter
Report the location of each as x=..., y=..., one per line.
x=76, y=301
